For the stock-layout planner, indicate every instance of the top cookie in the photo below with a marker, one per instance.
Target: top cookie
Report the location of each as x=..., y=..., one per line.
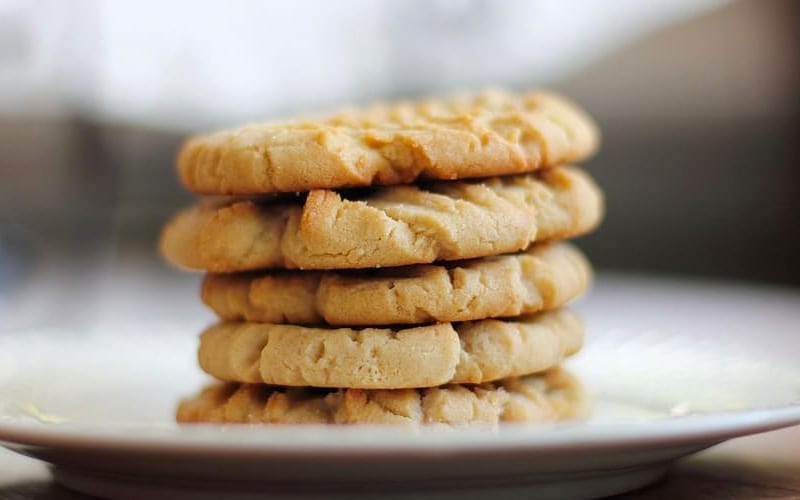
x=471, y=135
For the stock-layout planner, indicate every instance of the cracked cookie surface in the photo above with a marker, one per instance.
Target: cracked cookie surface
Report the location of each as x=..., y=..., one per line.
x=389, y=358
x=544, y=277
x=547, y=397
x=471, y=135
x=391, y=226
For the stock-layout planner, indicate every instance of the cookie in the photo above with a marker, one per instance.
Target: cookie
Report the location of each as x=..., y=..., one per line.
x=544, y=277
x=392, y=226
x=389, y=358
x=478, y=135
x=548, y=397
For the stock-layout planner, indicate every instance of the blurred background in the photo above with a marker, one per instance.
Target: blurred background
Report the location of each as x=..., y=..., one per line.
x=698, y=101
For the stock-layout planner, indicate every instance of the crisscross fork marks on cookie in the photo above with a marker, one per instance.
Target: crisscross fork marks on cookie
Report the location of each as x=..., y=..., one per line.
x=389, y=227
x=471, y=135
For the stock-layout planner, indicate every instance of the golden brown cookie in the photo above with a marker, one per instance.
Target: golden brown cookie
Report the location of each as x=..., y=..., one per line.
x=547, y=397
x=392, y=226
x=544, y=277
x=478, y=135
x=389, y=358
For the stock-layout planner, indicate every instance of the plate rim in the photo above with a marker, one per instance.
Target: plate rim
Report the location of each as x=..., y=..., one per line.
x=260, y=440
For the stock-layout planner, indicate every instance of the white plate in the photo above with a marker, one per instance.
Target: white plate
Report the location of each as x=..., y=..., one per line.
x=674, y=368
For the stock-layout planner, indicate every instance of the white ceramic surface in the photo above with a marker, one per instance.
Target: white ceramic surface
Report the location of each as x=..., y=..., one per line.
x=674, y=367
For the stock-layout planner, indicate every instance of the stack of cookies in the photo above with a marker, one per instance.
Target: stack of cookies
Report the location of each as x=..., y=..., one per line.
x=399, y=263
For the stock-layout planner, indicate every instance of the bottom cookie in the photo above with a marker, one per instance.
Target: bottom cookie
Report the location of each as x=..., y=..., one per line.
x=547, y=397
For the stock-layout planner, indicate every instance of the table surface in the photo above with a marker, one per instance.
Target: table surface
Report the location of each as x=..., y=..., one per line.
x=761, y=466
